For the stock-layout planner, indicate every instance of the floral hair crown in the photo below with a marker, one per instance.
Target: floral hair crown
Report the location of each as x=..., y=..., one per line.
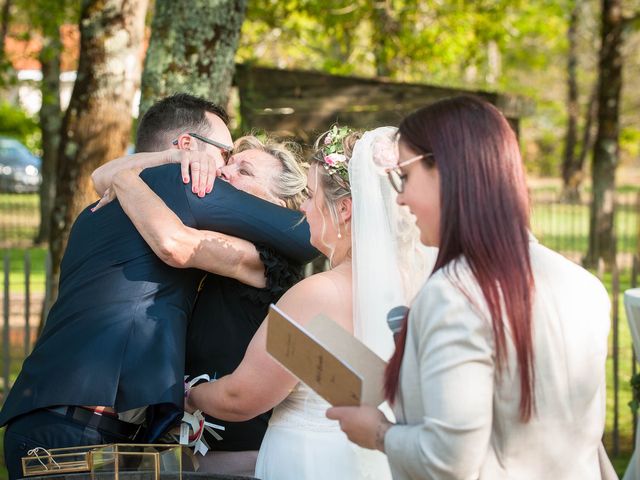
x=332, y=154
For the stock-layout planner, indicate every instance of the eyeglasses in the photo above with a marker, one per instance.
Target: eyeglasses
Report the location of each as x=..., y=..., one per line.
x=225, y=150
x=397, y=178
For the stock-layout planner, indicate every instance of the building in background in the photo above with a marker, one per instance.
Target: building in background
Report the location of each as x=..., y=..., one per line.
x=22, y=49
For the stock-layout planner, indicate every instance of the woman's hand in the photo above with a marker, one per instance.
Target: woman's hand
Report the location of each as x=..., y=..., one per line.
x=108, y=197
x=364, y=425
x=202, y=167
x=110, y=194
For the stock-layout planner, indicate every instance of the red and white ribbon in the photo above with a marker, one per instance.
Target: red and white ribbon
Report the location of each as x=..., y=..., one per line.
x=194, y=424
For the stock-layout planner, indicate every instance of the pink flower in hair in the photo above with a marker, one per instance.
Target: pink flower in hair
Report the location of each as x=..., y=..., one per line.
x=334, y=158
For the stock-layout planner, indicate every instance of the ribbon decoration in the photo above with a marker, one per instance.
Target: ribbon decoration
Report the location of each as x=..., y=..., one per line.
x=34, y=452
x=194, y=424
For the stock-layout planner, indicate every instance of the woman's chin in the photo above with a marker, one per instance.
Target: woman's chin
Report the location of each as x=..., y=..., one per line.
x=427, y=240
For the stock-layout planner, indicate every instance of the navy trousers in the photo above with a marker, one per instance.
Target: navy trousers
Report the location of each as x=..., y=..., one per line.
x=47, y=429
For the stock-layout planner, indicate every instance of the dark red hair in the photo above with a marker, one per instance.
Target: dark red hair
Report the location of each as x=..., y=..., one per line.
x=484, y=218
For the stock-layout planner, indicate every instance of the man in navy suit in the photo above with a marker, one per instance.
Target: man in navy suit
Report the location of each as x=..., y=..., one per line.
x=114, y=340
x=231, y=305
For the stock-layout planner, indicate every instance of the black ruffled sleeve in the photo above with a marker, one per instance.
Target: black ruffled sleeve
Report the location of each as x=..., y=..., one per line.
x=281, y=275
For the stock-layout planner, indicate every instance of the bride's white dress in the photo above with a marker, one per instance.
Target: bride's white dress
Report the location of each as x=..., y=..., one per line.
x=302, y=443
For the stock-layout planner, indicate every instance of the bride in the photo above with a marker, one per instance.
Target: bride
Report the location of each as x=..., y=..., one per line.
x=355, y=221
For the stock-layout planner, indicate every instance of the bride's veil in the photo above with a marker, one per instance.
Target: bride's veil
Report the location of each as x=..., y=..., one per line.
x=389, y=262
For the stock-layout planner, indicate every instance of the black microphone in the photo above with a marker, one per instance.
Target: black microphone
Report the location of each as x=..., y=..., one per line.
x=395, y=317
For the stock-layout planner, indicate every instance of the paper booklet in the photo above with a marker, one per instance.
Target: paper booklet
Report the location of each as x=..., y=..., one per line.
x=327, y=358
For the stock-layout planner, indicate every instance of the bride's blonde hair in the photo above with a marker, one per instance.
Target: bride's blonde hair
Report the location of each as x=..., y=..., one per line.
x=333, y=181
x=334, y=186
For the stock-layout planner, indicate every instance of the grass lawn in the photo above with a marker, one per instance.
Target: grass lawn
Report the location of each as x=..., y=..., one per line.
x=19, y=221
x=19, y=218
x=15, y=364
x=17, y=260
x=565, y=227
x=625, y=417
x=4, y=475
x=620, y=463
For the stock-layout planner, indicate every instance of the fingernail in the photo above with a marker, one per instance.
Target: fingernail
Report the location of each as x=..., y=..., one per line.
x=193, y=189
x=185, y=179
x=93, y=209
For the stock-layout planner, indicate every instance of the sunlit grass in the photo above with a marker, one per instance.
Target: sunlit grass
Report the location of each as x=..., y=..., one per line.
x=4, y=475
x=19, y=219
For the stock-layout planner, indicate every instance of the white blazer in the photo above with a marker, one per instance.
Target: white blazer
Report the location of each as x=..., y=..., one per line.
x=457, y=420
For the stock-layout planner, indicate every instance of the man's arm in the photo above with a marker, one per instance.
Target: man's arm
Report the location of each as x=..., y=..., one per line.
x=243, y=215
x=179, y=245
x=201, y=165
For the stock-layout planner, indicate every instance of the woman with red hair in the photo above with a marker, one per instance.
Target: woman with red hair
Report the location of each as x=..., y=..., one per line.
x=499, y=371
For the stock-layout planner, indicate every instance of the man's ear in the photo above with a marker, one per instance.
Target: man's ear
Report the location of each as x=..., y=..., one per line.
x=344, y=209
x=186, y=142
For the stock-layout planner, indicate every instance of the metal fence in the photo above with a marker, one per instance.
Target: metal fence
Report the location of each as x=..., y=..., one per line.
x=564, y=227
x=24, y=290
x=561, y=226
x=19, y=219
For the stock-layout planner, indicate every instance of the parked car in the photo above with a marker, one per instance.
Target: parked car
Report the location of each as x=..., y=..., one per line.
x=20, y=170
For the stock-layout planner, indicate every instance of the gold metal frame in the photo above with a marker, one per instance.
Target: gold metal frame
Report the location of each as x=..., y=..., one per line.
x=103, y=459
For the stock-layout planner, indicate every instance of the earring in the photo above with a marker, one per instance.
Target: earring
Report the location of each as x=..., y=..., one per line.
x=339, y=234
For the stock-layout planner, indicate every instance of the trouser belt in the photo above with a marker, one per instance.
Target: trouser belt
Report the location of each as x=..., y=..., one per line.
x=104, y=423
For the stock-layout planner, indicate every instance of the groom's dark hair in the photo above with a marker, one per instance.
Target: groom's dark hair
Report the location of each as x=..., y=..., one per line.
x=173, y=115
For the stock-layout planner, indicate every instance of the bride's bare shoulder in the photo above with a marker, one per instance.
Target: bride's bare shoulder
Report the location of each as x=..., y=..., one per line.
x=318, y=286
x=312, y=295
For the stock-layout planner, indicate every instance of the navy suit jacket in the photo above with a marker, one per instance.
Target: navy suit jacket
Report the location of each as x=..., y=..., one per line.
x=116, y=334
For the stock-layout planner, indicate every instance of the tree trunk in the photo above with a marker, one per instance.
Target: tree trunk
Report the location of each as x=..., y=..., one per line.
x=4, y=30
x=384, y=29
x=606, y=146
x=494, y=63
x=586, y=145
x=571, y=170
x=192, y=49
x=50, y=122
x=97, y=124
x=4, y=25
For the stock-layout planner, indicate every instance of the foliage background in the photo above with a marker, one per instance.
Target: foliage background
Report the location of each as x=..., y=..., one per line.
x=511, y=46
x=16, y=123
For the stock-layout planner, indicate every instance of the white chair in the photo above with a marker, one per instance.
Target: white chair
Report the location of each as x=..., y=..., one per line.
x=632, y=306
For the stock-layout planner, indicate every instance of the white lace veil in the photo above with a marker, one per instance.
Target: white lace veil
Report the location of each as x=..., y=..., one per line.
x=389, y=262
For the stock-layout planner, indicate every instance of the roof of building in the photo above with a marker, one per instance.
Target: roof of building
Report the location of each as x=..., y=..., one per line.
x=22, y=47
